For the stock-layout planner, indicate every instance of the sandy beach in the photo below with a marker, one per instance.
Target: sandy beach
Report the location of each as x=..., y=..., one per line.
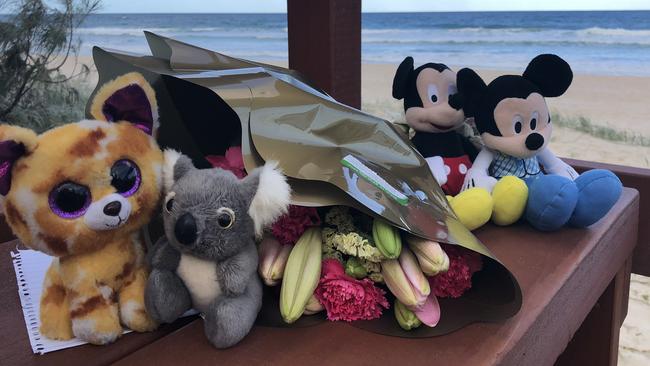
x=622, y=103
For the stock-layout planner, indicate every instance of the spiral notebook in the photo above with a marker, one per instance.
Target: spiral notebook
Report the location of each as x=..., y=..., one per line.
x=30, y=267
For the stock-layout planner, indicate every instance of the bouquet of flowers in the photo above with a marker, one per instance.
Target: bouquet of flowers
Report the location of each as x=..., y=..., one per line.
x=346, y=263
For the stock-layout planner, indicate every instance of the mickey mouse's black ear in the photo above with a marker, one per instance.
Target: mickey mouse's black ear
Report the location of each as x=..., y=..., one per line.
x=402, y=75
x=550, y=73
x=470, y=88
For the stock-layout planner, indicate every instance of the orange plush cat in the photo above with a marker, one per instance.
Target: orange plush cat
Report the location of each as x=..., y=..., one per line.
x=81, y=193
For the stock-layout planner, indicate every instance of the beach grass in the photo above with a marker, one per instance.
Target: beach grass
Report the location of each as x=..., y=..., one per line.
x=584, y=124
x=59, y=108
x=392, y=111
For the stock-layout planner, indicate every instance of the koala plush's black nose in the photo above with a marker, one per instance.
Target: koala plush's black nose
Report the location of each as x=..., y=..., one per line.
x=534, y=141
x=113, y=208
x=185, y=229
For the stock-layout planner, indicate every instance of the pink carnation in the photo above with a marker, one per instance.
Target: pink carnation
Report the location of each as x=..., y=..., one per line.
x=290, y=226
x=346, y=298
x=233, y=161
x=458, y=279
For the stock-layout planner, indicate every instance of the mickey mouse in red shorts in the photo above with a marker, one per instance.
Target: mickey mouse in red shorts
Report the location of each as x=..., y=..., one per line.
x=435, y=111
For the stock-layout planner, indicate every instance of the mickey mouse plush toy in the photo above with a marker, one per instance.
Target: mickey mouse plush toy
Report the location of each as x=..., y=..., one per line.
x=515, y=125
x=434, y=110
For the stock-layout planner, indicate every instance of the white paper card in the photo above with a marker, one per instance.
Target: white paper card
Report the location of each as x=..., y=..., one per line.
x=30, y=267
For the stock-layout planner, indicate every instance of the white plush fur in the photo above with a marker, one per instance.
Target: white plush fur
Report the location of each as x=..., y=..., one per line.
x=111, y=135
x=130, y=311
x=200, y=278
x=170, y=157
x=106, y=291
x=272, y=198
x=27, y=201
x=156, y=120
x=86, y=329
x=158, y=173
x=91, y=124
x=96, y=219
x=102, y=153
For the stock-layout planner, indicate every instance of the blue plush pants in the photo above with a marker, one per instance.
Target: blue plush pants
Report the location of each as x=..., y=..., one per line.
x=554, y=201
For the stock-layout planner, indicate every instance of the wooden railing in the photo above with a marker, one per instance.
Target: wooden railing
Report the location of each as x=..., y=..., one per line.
x=639, y=179
x=325, y=45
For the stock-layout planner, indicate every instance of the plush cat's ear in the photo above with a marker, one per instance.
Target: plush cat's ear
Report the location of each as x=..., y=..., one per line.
x=271, y=195
x=127, y=98
x=15, y=142
x=470, y=90
x=550, y=73
x=401, y=79
x=175, y=166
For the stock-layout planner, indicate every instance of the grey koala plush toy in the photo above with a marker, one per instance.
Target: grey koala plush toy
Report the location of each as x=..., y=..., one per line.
x=208, y=257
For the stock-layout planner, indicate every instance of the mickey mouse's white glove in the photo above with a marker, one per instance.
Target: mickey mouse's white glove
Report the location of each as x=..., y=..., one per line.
x=478, y=178
x=562, y=169
x=477, y=175
x=554, y=165
x=437, y=167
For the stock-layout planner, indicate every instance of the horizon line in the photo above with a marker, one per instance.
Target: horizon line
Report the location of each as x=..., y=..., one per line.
x=394, y=12
x=381, y=12
x=376, y=12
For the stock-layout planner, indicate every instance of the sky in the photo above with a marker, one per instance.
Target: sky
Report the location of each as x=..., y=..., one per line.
x=280, y=6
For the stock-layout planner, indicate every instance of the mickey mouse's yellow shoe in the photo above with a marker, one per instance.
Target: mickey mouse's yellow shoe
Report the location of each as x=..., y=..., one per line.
x=473, y=207
x=510, y=196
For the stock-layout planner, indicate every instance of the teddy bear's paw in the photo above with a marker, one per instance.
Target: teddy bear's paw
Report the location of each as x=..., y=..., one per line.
x=55, y=310
x=165, y=297
x=510, y=195
x=227, y=324
x=87, y=329
x=101, y=325
x=135, y=317
x=59, y=329
x=473, y=207
x=229, y=319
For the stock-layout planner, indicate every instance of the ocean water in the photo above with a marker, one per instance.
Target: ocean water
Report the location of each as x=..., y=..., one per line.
x=607, y=43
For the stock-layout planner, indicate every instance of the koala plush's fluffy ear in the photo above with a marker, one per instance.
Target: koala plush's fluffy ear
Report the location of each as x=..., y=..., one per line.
x=470, y=90
x=174, y=167
x=271, y=195
x=550, y=73
x=401, y=79
x=127, y=98
x=15, y=142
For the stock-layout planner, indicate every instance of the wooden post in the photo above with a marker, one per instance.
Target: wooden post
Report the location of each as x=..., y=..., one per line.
x=596, y=341
x=325, y=45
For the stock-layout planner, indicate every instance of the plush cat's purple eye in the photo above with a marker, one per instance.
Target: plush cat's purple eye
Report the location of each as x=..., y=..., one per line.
x=125, y=177
x=69, y=200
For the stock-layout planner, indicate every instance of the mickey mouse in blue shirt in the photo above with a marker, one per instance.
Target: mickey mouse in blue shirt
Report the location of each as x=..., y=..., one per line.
x=515, y=125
